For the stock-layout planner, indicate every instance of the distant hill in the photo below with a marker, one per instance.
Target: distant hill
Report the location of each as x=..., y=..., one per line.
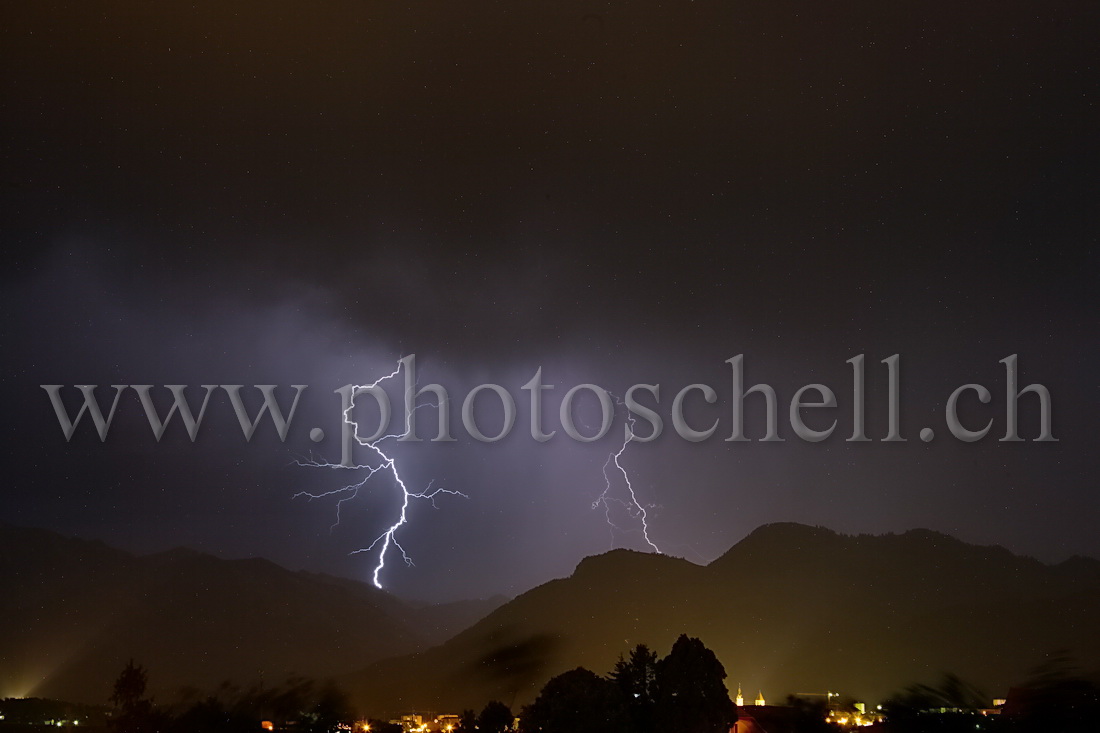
x=789, y=609
x=72, y=612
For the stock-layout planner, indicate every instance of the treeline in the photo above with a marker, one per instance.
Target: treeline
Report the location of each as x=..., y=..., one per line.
x=37, y=711
x=302, y=704
x=1058, y=698
x=685, y=692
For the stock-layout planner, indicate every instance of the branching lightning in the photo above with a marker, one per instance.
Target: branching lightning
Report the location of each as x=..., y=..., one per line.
x=387, y=464
x=633, y=507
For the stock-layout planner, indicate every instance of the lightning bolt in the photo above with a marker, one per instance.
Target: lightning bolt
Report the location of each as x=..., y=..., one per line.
x=634, y=508
x=386, y=464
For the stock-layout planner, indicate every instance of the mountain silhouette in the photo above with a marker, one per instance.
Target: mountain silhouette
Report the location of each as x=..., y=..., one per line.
x=74, y=611
x=789, y=609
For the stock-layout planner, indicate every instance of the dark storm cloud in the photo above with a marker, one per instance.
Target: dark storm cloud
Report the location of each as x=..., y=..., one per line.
x=618, y=193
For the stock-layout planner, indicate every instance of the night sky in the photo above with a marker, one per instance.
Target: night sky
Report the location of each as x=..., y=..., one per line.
x=620, y=193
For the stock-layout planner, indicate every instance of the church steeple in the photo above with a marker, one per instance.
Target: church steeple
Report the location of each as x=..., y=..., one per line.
x=740, y=698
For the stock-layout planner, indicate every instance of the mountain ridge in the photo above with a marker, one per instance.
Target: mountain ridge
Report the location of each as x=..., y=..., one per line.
x=76, y=610
x=789, y=608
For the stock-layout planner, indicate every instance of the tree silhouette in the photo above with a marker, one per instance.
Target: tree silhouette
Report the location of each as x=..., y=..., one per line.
x=1058, y=697
x=330, y=708
x=129, y=687
x=299, y=704
x=804, y=716
x=133, y=712
x=945, y=707
x=495, y=717
x=636, y=677
x=211, y=716
x=578, y=701
x=691, y=694
x=467, y=722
